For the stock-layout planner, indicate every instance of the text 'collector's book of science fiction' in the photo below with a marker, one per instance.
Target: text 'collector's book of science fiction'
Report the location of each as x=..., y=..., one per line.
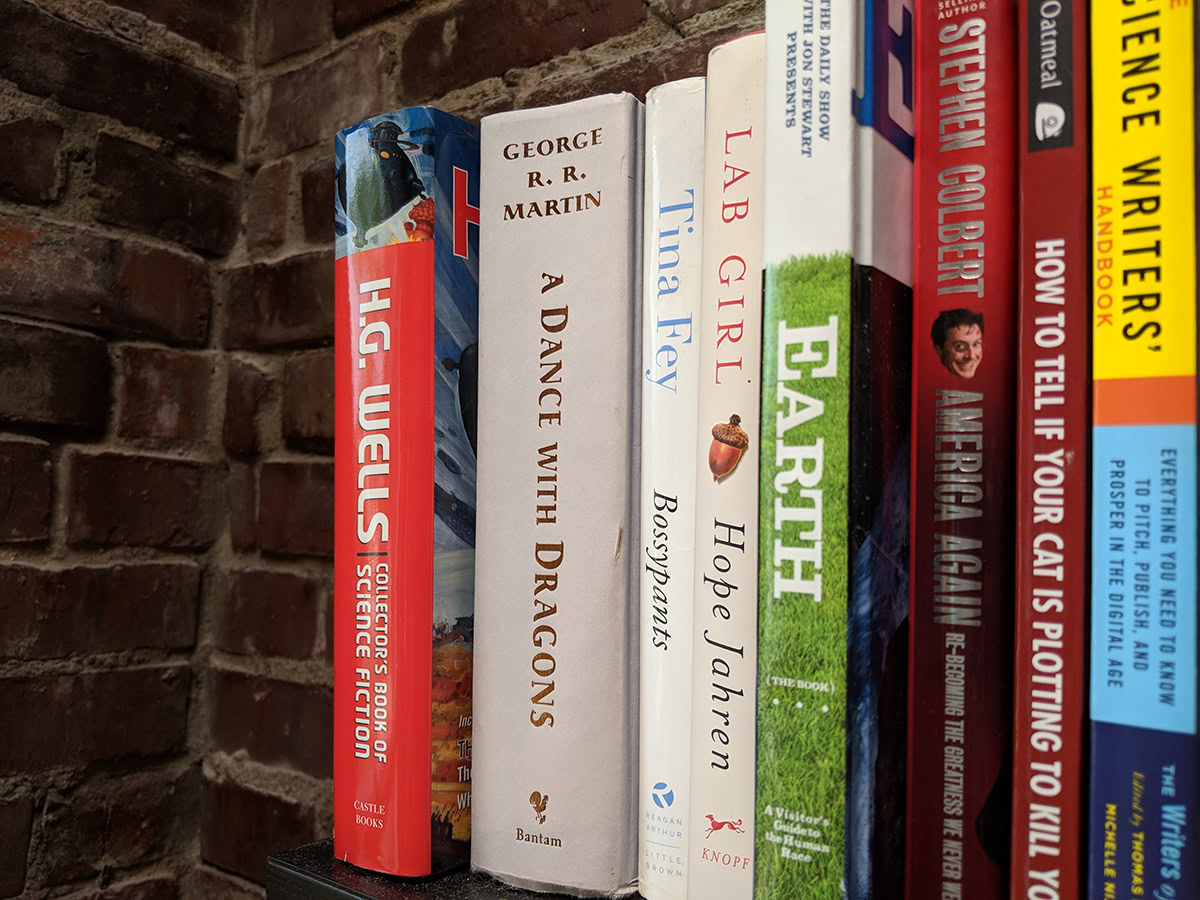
x=1142, y=810
x=407, y=264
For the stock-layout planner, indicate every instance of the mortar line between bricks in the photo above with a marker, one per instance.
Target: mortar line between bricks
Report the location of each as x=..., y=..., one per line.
x=170, y=45
x=82, y=120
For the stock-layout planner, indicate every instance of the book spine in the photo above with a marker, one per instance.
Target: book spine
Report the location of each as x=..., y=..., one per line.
x=726, y=569
x=804, y=452
x=674, y=203
x=406, y=301
x=1052, y=430
x=1143, y=793
x=555, y=778
x=880, y=400
x=962, y=503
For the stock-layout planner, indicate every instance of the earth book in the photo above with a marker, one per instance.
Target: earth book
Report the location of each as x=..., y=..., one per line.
x=407, y=264
x=725, y=627
x=556, y=697
x=1050, y=681
x=668, y=375
x=880, y=400
x=964, y=418
x=1142, y=818
x=804, y=453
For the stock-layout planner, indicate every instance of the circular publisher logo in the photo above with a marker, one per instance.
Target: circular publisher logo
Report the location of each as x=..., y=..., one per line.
x=662, y=796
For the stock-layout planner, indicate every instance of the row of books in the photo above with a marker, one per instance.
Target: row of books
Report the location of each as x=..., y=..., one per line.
x=775, y=585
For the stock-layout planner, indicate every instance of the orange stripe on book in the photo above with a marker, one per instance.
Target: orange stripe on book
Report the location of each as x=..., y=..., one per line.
x=1144, y=401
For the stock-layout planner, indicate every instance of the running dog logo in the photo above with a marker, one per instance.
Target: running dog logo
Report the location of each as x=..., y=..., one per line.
x=538, y=802
x=714, y=825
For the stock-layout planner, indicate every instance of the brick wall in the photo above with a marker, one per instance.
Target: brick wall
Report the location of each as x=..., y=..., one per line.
x=166, y=426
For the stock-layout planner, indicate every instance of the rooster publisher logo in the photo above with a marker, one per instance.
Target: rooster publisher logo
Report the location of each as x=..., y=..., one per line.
x=538, y=802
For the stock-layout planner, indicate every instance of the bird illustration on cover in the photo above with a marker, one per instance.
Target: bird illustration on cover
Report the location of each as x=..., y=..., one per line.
x=385, y=182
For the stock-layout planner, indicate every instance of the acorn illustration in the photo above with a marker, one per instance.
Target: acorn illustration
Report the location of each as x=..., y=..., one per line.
x=728, y=444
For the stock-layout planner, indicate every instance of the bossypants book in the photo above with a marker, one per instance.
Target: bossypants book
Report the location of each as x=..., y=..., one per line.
x=673, y=208
x=556, y=724
x=406, y=354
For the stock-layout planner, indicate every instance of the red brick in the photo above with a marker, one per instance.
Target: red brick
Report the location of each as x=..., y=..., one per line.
x=29, y=149
x=53, y=272
x=16, y=825
x=275, y=722
x=92, y=717
x=25, y=484
x=329, y=624
x=221, y=25
x=635, y=74
x=240, y=827
x=685, y=9
x=284, y=27
x=204, y=883
x=164, y=393
x=118, y=823
x=316, y=201
x=152, y=193
x=161, y=295
x=243, y=518
x=266, y=205
x=476, y=39
x=295, y=508
x=279, y=304
x=142, y=501
x=308, y=401
x=269, y=614
x=349, y=13
x=245, y=391
x=52, y=613
x=84, y=70
x=306, y=106
x=52, y=377
x=146, y=889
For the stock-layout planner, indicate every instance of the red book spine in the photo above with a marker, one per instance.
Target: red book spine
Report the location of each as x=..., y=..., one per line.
x=383, y=579
x=1052, y=429
x=961, y=540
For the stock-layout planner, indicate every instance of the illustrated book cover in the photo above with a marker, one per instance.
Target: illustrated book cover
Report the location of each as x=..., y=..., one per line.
x=406, y=352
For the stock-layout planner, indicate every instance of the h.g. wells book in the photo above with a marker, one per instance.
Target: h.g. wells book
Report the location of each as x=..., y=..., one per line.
x=880, y=396
x=556, y=734
x=963, y=406
x=668, y=376
x=1052, y=426
x=1143, y=815
x=803, y=579
x=721, y=828
x=404, y=470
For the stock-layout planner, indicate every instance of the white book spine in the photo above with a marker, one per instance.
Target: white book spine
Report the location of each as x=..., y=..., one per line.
x=555, y=714
x=725, y=629
x=670, y=366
